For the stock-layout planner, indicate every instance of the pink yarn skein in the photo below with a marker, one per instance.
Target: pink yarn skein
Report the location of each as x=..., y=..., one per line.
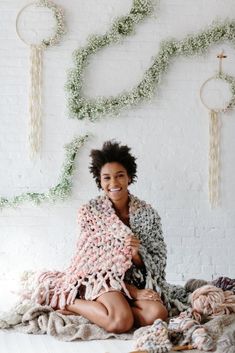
x=212, y=301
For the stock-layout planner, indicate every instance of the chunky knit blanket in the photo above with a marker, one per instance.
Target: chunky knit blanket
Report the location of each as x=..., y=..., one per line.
x=102, y=261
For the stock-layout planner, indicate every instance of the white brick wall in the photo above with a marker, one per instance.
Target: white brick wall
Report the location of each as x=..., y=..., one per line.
x=169, y=135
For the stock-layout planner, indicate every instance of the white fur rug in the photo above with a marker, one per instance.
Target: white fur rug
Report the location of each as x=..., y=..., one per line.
x=35, y=319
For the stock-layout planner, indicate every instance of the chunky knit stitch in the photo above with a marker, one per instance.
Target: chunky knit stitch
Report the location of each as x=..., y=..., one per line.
x=153, y=339
x=192, y=333
x=102, y=261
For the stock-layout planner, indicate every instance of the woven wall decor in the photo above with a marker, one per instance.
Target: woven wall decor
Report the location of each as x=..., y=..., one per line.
x=214, y=130
x=36, y=50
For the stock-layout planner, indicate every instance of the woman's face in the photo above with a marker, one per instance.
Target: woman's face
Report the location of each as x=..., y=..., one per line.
x=114, y=181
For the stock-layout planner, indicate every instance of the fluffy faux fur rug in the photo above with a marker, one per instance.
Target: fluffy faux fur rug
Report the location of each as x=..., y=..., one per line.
x=35, y=319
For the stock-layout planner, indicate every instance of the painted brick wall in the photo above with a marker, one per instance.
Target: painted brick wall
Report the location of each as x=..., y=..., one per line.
x=169, y=135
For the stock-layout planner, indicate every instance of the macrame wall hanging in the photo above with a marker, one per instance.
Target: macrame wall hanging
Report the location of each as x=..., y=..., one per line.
x=36, y=51
x=214, y=130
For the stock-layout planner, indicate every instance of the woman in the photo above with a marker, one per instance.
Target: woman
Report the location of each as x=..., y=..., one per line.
x=117, y=275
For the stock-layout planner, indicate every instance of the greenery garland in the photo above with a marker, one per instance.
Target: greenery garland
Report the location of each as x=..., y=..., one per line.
x=60, y=23
x=231, y=82
x=61, y=190
x=80, y=107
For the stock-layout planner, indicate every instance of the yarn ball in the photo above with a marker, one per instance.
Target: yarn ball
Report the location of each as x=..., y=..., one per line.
x=192, y=284
x=211, y=301
x=225, y=283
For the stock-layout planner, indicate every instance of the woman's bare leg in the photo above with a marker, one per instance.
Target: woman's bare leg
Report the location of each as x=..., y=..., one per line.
x=110, y=311
x=145, y=312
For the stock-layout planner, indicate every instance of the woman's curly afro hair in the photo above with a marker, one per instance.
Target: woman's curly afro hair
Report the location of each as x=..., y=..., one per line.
x=112, y=152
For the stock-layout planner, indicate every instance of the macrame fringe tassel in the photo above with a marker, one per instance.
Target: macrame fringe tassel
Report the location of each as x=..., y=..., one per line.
x=35, y=123
x=214, y=159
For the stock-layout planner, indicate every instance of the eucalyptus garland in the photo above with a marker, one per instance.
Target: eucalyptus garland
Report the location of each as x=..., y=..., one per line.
x=61, y=190
x=80, y=107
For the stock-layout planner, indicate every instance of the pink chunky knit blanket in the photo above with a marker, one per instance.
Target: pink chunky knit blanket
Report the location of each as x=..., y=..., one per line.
x=100, y=262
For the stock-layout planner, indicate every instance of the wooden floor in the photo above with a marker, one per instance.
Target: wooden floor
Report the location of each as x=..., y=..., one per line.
x=11, y=342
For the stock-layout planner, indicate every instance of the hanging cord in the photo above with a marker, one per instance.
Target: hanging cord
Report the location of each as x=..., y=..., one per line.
x=35, y=115
x=214, y=130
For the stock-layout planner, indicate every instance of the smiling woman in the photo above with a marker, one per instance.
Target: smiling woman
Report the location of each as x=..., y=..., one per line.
x=114, y=168
x=114, y=181
x=117, y=277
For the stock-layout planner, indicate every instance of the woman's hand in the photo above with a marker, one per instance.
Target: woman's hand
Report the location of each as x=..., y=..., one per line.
x=133, y=243
x=143, y=294
x=147, y=294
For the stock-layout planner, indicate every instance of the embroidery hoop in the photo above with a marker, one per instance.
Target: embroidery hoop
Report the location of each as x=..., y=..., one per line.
x=35, y=118
x=214, y=131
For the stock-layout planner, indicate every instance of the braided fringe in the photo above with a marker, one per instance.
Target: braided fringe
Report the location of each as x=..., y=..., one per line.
x=35, y=122
x=214, y=159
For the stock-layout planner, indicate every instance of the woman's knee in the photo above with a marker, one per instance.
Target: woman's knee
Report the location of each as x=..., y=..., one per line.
x=162, y=313
x=151, y=311
x=157, y=311
x=120, y=323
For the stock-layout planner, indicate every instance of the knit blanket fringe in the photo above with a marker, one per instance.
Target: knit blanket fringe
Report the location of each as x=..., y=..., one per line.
x=54, y=291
